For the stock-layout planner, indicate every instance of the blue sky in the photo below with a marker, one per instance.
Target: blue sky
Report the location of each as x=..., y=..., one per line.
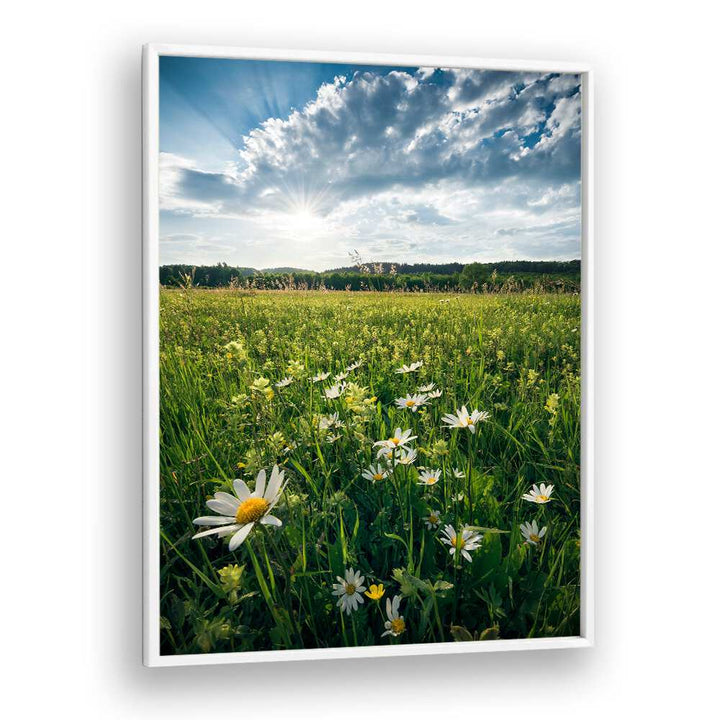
x=266, y=164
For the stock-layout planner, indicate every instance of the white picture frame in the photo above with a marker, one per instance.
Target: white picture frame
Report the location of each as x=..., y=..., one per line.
x=150, y=322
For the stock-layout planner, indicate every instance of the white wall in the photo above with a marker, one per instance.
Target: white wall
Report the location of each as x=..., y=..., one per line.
x=71, y=510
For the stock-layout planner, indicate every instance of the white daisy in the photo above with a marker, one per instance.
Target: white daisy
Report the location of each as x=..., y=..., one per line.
x=376, y=472
x=531, y=533
x=350, y=591
x=409, y=368
x=404, y=457
x=335, y=391
x=540, y=495
x=353, y=366
x=398, y=440
x=429, y=477
x=458, y=473
x=340, y=376
x=411, y=402
x=464, y=419
x=320, y=377
x=284, y=382
x=237, y=515
x=395, y=624
x=435, y=394
x=432, y=520
x=426, y=388
x=326, y=422
x=465, y=542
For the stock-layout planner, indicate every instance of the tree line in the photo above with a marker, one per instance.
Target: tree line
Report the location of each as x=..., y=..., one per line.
x=504, y=276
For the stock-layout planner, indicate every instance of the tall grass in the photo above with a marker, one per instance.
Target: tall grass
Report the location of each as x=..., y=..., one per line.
x=515, y=356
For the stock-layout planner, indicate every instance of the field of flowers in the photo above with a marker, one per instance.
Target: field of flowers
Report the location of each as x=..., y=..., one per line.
x=348, y=468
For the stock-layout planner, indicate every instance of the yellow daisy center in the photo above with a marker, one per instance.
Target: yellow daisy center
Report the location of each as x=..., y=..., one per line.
x=534, y=538
x=409, y=403
x=458, y=542
x=395, y=441
x=433, y=519
x=470, y=421
x=431, y=480
x=349, y=589
x=378, y=476
x=251, y=510
x=397, y=625
x=541, y=498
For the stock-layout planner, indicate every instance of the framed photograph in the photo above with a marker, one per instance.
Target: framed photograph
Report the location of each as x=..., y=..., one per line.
x=368, y=355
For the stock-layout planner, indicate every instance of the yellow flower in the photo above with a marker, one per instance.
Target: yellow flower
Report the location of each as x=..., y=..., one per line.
x=240, y=465
x=230, y=577
x=375, y=592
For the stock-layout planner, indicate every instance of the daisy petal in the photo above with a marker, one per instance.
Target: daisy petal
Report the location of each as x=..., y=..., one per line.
x=239, y=537
x=214, y=520
x=241, y=489
x=271, y=520
x=260, y=484
x=225, y=529
x=276, y=478
x=222, y=507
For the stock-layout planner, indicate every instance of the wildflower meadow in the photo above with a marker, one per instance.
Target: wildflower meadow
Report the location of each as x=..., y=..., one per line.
x=367, y=468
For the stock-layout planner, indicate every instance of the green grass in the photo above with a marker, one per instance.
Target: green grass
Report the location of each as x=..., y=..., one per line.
x=505, y=354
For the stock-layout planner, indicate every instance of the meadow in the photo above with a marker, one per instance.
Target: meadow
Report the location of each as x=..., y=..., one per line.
x=367, y=468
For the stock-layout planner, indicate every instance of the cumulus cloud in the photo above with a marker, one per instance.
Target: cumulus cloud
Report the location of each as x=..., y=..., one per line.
x=387, y=154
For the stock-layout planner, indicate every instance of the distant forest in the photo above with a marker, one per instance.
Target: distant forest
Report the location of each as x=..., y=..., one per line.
x=504, y=276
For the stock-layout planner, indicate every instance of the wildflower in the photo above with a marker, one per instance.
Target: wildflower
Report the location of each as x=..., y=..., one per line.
x=262, y=385
x=459, y=474
x=349, y=590
x=409, y=368
x=375, y=473
x=284, y=382
x=465, y=542
x=398, y=440
x=375, y=592
x=237, y=514
x=531, y=533
x=552, y=403
x=432, y=520
x=435, y=394
x=429, y=477
x=326, y=422
x=405, y=457
x=356, y=399
x=353, y=366
x=439, y=449
x=395, y=624
x=320, y=377
x=295, y=368
x=539, y=495
x=335, y=391
x=236, y=350
x=411, y=402
x=340, y=376
x=464, y=419
x=230, y=577
x=426, y=388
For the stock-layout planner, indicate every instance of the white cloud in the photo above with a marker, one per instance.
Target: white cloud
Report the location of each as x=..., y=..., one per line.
x=435, y=164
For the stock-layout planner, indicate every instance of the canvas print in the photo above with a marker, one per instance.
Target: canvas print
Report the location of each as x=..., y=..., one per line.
x=369, y=352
